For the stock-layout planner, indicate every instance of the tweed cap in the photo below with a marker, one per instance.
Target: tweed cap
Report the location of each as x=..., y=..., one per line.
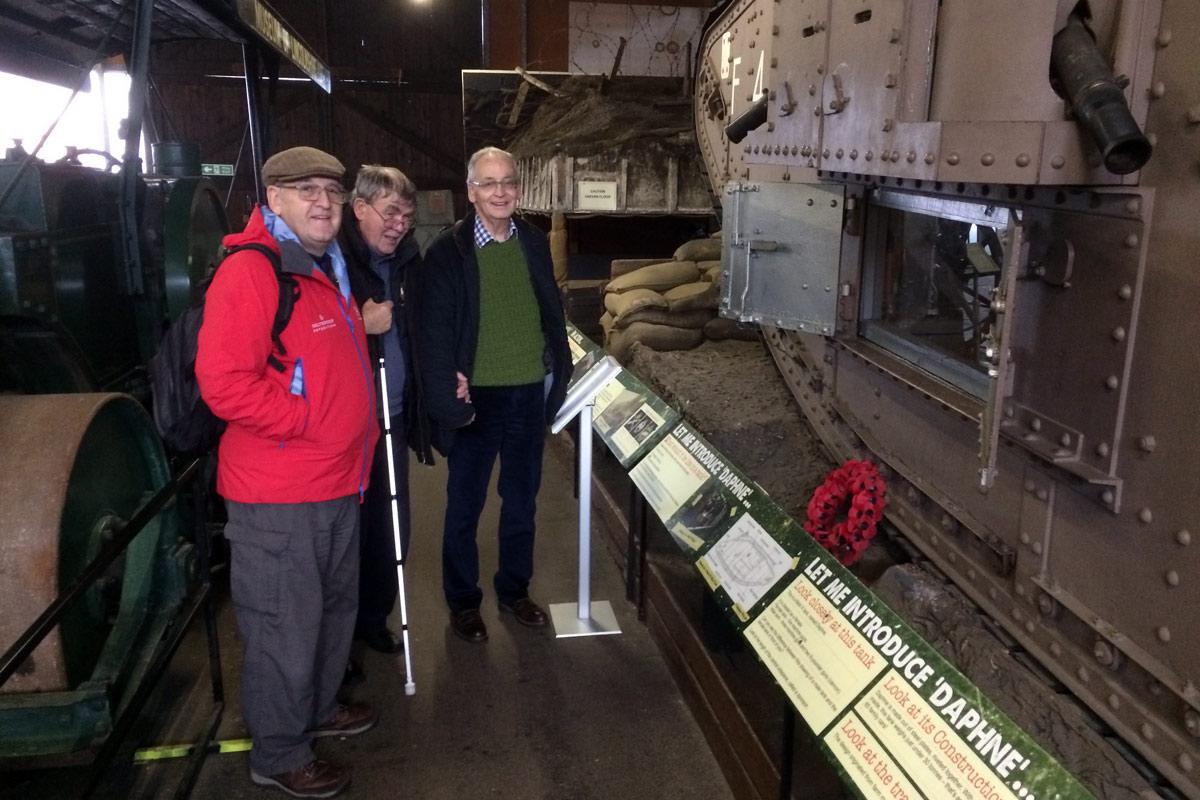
x=301, y=162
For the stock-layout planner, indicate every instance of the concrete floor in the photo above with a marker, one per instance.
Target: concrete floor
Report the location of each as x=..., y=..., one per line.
x=525, y=715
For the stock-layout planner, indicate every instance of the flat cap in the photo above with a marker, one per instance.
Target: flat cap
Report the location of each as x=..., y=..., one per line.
x=301, y=162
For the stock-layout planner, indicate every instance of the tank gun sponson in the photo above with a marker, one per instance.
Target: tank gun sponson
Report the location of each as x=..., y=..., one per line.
x=971, y=269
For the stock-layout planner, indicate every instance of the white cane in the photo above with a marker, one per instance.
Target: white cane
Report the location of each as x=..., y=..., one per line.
x=410, y=687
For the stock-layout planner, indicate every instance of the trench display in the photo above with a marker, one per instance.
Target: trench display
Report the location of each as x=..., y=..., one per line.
x=893, y=716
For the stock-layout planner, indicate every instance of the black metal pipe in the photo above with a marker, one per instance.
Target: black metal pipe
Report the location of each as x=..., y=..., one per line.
x=122, y=536
x=250, y=64
x=1099, y=103
x=750, y=119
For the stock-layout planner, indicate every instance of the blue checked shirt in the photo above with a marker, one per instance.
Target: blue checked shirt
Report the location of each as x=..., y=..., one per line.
x=483, y=237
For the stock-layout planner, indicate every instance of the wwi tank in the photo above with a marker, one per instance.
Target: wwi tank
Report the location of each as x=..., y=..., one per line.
x=968, y=230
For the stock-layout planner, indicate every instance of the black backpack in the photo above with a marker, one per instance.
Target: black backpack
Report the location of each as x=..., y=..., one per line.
x=183, y=419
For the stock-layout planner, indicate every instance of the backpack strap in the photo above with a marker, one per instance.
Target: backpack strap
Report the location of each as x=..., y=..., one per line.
x=289, y=292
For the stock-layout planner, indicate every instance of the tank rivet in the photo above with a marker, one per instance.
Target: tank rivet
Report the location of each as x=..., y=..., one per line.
x=912, y=156
x=1024, y=538
x=1134, y=205
x=1057, y=162
x=987, y=159
x=854, y=155
x=895, y=155
x=1152, y=138
x=1036, y=547
x=1023, y=160
x=1172, y=577
x=1193, y=115
x=1035, y=424
x=1112, y=382
x=1191, y=721
x=890, y=81
x=1043, y=495
x=1055, y=649
x=971, y=574
x=1164, y=634
x=1102, y=449
x=1082, y=674
x=1104, y=654
x=1114, y=702
x=1183, y=537
x=952, y=159
x=870, y=155
x=1046, y=604
x=929, y=159
x=1107, y=497
x=1021, y=589
x=840, y=152
x=1147, y=444
x=1125, y=292
x=1118, y=334
x=1164, y=37
x=1131, y=241
x=1065, y=440
x=994, y=593
x=1158, y=90
x=1145, y=516
x=1018, y=615
x=1185, y=762
x=948, y=523
x=1030, y=487
x=825, y=153
x=1147, y=731
x=1030, y=627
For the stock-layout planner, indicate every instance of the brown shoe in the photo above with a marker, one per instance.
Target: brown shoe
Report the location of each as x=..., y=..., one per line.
x=527, y=612
x=348, y=720
x=315, y=779
x=468, y=625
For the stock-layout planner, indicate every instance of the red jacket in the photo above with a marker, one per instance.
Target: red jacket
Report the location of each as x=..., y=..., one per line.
x=282, y=446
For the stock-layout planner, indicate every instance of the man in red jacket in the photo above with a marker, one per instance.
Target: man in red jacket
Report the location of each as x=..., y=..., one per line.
x=293, y=466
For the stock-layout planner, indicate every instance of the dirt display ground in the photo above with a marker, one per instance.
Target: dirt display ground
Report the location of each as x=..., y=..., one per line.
x=733, y=394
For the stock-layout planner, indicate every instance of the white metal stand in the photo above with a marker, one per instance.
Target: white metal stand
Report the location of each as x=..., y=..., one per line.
x=584, y=618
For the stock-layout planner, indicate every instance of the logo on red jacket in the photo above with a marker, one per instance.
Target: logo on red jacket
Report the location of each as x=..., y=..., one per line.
x=322, y=324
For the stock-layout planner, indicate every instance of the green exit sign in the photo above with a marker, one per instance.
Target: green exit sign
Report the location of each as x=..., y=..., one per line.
x=214, y=170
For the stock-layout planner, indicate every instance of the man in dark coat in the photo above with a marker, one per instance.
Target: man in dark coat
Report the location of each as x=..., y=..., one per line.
x=491, y=315
x=382, y=258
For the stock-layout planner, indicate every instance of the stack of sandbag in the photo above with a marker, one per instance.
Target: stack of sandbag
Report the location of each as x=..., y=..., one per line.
x=664, y=305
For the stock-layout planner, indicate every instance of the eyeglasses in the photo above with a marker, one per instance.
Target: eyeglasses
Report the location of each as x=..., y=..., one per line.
x=313, y=191
x=511, y=184
x=393, y=216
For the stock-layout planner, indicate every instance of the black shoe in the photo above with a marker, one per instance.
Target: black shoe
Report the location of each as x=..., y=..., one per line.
x=382, y=641
x=354, y=674
x=527, y=612
x=468, y=625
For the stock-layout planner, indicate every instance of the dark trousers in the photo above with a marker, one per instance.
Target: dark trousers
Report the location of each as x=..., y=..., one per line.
x=377, y=585
x=509, y=423
x=294, y=582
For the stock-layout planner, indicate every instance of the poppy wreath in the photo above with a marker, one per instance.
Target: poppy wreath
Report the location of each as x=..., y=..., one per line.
x=844, y=512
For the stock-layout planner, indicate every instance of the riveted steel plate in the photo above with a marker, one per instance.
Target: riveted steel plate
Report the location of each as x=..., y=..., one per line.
x=780, y=254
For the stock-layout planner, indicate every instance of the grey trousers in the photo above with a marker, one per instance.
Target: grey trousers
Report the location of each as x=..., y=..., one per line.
x=294, y=581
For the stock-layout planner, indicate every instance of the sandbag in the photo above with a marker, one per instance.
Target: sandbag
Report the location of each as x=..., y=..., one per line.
x=659, y=316
x=623, y=266
x=692, y=296
x=659, y=277
x=621, y=303
x=722, y=328
x=606, y=325
x=709, y=270
x=656, y=337
x=699, y=250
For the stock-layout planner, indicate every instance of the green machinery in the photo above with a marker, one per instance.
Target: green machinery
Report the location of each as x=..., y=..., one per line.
x=93, y=266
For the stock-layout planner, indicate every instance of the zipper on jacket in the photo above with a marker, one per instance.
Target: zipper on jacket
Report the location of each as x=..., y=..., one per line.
x=370, y=381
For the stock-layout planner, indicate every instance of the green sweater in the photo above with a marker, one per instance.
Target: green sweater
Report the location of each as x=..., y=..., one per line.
x=511, y=342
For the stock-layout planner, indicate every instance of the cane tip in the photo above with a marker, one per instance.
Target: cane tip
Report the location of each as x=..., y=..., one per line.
x=410, y=689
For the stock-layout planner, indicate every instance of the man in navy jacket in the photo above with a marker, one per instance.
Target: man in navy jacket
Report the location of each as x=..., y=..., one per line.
x=491, y=315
